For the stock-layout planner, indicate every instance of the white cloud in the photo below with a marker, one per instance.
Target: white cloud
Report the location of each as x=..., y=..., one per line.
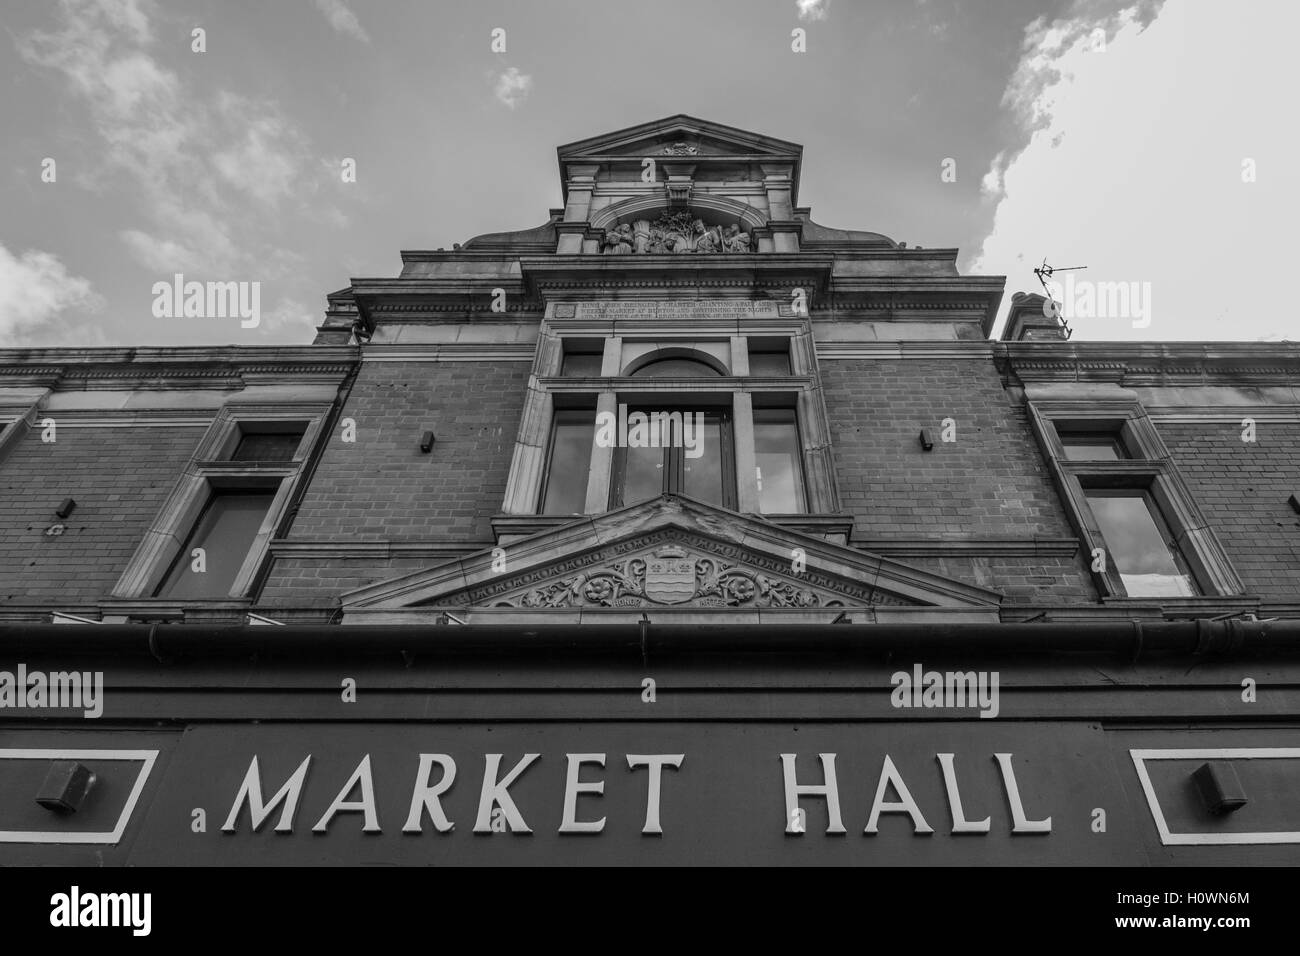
x=812, y=9
x=36, y=289
x=513, y=87
x=1147, y=185
x=342, y=19
x=210, y=167
x=292, y=314
x=265, y=161
x=157, y=253
x=991, y=184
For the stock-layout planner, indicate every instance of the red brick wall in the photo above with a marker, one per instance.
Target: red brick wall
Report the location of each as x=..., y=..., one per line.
x=317, y=582
x=1242, y=489
x=119, y=477
x=991, y=482
x=382, y=487
x=1050, y=579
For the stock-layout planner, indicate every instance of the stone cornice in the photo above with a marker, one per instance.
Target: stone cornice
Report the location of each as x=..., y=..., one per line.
x=578, y=276
x=1152, y=363
x=925, y=351
x=478, y=307
x=450, y=352
x=126, y=367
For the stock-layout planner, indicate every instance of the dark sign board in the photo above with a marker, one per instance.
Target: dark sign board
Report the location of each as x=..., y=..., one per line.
x=710, y=793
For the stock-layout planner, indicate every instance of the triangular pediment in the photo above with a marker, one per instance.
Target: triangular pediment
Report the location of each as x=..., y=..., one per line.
x=671, y=552
x=680, y=136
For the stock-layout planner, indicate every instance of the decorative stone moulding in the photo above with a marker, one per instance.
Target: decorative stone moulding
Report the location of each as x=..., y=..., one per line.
x=674, y=233
x=676, y=575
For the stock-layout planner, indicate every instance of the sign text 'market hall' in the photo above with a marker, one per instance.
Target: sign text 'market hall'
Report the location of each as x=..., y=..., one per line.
x=498, y=812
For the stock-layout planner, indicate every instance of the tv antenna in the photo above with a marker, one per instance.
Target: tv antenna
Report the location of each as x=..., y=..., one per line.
x=1045, y=272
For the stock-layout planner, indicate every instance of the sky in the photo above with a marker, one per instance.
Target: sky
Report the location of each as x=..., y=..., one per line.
x=1151, y=142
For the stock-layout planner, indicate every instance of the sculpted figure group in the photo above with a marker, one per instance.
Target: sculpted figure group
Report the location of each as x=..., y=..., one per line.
x=673, y=233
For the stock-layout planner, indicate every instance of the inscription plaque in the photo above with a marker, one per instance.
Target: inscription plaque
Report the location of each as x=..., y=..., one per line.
x=661, y=309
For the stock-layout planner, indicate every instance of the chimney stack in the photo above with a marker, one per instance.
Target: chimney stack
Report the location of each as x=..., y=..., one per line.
x=1027, y=322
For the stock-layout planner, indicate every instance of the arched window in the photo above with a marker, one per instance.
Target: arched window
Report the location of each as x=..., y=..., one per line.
x=676, y=367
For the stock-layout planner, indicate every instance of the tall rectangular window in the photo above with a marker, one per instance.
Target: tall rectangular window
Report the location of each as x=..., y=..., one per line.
x=1127, y=500
x=565, y=490
x=1138, y=543
x=662, y=456
x=779, y=461
x=225, y=532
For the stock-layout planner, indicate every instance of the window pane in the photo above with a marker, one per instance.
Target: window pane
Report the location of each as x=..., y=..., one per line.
x=225, y=531
x=780, y=471
x=586, y=364
x=769, y=363
x=702, y=475
x=1097, y=447
x=566, y=475
x=1136, y=546
x=678, y=451
x=676, y=367
x=267, y=446
x=644, y=474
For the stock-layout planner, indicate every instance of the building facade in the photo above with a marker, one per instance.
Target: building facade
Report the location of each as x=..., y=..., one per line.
x=679, y=528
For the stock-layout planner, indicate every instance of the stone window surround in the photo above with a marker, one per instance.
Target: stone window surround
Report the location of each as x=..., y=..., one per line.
x=1149, y=466
x=15, y=420
x=626, y=351
x=209, y=468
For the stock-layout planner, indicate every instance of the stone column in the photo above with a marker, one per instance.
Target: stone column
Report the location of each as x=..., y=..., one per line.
x=746, y=462
x=778, y=181
x=529, y=460
x=739, y=355
x=819, y=468
x=602, y=457
x=577, y=210
x=611, y=363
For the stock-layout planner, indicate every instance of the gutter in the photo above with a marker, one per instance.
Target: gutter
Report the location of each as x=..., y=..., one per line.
x=1127, y=641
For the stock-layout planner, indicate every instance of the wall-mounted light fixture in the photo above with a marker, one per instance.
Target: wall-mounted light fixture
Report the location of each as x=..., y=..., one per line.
x=65, y=787
x=1219, y=787
x=926, y=441
x=65, y=508
x=426, y=442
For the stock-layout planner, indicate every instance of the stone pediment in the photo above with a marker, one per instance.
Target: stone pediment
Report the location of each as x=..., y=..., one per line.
x=680, y=137
x=670, y=552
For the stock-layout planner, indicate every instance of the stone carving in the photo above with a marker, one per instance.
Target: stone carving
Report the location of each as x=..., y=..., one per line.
x=674, y=575
x=673, y=233
x=618, y=241
x=733, y=240
x=680, y=149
